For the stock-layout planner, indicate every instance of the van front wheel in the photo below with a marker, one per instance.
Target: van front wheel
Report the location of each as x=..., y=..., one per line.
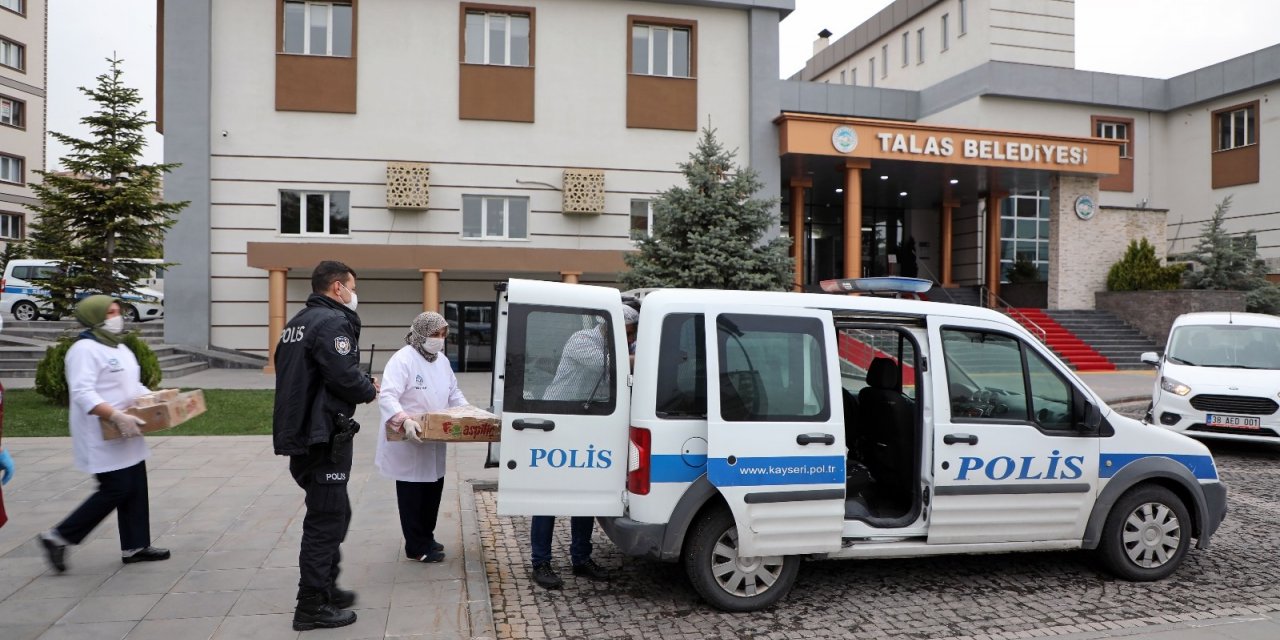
x=131, y=313
x=724, y=579
x=25, y=311
x=1147, y=534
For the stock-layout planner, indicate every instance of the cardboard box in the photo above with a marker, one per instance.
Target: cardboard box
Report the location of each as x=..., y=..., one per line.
x=455, y=424
x=161, y=410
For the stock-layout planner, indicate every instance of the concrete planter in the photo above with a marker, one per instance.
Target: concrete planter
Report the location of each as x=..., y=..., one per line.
x=1153, y=312
x=1034, y=295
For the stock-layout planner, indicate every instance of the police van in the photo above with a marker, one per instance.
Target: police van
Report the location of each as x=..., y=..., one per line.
x=22, y=286
x=759, y=429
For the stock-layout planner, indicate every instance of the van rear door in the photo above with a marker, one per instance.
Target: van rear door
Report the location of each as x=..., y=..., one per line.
x=561, y=385
x=776, y=448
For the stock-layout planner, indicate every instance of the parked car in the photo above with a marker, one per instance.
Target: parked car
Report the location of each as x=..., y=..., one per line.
x=1219, y=377
x=22, y=287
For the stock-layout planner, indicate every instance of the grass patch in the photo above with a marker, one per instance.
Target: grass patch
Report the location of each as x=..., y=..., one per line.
x=231, y=412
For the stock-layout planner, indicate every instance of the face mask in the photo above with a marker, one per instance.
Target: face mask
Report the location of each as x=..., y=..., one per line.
x=433, y=345
x=114, y=324
x=350, y=305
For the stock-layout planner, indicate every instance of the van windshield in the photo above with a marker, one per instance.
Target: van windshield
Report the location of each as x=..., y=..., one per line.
x=1236, y=346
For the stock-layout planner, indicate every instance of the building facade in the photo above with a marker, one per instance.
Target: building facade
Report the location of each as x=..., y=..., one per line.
x=441, y=147
x=22, y=111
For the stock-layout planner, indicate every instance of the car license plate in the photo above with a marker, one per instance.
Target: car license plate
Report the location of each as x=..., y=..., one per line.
x=1232, y=422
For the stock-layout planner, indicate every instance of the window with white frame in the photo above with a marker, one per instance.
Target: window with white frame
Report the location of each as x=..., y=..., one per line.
x=1237, y=128
x=1115, y=131
x=497, y=38
x=12, y=54
x=920, y=45
x=946, y=31
x=11, y=226
x=495, y=218
x=964, y=17
x=884, y=61
x=315, y=213
x=906, y=47
x=1024, y=232
x=871, y=72
x=15, y=6
x=661, y=50
x=317, y=28
x=11, y=169
x=13, y=112
x=641, y=219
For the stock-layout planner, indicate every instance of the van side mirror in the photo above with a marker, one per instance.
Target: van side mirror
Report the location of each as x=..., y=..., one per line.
x=1151, y=358
x=1087, y=416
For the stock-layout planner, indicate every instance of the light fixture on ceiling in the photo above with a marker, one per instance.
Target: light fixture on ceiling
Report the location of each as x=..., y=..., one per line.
x=902, y=193
x=884, y=177
x=839, y=190
x=954, y=181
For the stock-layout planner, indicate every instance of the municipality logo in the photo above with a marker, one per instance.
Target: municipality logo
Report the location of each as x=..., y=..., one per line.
x=417, y=380
x=844, y=139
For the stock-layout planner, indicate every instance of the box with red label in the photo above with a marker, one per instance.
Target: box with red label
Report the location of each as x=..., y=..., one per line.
x=455, y=424
x=164, y=409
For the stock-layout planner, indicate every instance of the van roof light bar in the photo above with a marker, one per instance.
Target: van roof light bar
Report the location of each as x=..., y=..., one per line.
x=878, y=285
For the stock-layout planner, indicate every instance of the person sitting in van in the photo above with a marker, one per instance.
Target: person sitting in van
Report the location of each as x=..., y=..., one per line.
x=582, y=375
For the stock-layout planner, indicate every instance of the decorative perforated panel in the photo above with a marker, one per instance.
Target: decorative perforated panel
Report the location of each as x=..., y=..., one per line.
x=583, y=191
x=408, y=185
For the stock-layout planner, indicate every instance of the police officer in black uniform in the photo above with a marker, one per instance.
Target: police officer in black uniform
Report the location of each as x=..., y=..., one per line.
x=318, y=385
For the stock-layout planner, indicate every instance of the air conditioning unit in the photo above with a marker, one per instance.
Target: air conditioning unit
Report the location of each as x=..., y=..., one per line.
x=584, y=191
x=408, y=185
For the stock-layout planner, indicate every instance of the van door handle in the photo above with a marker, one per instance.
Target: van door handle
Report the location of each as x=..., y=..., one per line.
x=816, y=438
x=533, y=423
x=960, y=438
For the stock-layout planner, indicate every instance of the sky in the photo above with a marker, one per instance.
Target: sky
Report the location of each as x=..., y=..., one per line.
x=1152, y=38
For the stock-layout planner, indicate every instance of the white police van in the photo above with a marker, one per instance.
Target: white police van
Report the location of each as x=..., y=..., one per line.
x=22, y=285
x=759, y=429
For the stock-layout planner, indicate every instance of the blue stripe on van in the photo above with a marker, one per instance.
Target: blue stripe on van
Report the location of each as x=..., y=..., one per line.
x=1200, y=466
x=674, y=468
x=764, y=471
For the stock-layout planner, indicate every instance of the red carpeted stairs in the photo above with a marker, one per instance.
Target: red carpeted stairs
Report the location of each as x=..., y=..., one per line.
x=1075, y=351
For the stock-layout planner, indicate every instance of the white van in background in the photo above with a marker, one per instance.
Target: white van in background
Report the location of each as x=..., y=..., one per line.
x=22, y=286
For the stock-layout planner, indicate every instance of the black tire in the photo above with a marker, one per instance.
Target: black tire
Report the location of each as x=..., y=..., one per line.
x=737, y=589
x=1147, y=534
x=25, y=311
x=130, y=313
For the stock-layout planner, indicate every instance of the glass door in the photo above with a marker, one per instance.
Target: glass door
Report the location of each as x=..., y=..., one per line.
x=470, y=343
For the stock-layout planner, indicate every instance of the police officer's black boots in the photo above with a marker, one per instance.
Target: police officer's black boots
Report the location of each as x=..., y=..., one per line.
x=315, y=612
x=340, y=598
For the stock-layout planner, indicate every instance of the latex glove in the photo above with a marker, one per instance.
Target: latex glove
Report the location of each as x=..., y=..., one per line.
x=129, y=426
x=413, y=430
x=6, y=465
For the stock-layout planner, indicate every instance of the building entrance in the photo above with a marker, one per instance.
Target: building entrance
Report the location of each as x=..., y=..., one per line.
x=470, y=342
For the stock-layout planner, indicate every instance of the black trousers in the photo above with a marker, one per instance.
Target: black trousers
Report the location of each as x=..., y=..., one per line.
x=419, y=504
x=123, y=491
x=328, y=515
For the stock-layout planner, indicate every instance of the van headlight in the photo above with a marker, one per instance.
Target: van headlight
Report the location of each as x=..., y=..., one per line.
x=1173, y=386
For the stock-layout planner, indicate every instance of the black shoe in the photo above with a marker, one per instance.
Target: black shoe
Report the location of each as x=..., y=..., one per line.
x=314, y=612
x=435, y=551
x=149, y=554
x=591, y=571
x=544, y=577
x=436, y=547
x=56, y=553
x=340, y=598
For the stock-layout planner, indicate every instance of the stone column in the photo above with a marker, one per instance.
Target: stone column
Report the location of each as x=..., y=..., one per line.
x=277, y=301
x=853, y=216
x=430, y=289
x=570, y=277
x=1080, y=251
x=798, y=185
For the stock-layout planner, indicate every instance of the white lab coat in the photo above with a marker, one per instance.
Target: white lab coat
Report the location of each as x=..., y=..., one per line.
x=413, y=385
x=96, y=374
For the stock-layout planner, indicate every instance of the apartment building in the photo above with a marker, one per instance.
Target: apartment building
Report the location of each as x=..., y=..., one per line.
x=22, y=111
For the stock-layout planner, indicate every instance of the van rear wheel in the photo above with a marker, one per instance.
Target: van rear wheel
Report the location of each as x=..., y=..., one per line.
x=25, y=311
x=724, y=579
x=1147, y=534
x=131, y=314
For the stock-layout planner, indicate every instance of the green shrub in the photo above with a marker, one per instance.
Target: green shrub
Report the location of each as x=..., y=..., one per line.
x=51, y=374
x=1023, y=270
x=1140, y=270
x=1264, y=299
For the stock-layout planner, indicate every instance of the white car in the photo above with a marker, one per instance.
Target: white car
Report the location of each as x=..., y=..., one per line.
x=1219, y=377
x=23, y=283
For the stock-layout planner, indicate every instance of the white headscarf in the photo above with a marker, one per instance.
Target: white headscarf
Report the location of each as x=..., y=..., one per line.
x=424, y=326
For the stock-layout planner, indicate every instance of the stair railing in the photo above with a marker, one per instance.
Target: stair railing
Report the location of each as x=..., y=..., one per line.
x=989, y=297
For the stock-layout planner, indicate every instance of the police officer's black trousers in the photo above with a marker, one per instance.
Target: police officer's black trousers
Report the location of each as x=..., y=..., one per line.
x=123, y=491
x=328, y=515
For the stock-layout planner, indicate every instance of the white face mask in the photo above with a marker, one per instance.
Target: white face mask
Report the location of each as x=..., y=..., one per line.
x=433, y=345
x=354, y=300
x=114, y=324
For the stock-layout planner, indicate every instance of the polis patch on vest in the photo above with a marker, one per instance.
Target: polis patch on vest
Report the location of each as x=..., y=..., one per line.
x=342, y=345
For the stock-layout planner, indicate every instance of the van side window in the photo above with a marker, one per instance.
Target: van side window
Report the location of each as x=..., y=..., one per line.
x=772, y=368
x=984, y=376
x=1050, y=394
x=560, y=360
x=682, y=368
x=858, y=348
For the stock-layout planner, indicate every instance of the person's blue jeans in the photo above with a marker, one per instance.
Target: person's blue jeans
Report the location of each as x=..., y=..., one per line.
x=580, y=528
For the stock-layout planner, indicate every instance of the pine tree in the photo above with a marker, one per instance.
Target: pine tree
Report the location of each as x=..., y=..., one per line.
x=106, y=205
x=1226, y=263
x=710, y=233
x=13, y=250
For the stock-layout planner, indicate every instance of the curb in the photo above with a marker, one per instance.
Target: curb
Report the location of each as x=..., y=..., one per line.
x=479, y=601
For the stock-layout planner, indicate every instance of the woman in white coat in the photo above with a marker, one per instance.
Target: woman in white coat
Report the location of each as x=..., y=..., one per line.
x=417, y=380
x=103, y=378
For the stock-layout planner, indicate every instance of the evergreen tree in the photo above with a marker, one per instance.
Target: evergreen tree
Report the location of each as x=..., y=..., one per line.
x=710, y=233
x=1232, y=264
x=1140, y=270
x=13, y=250
x=106, y=205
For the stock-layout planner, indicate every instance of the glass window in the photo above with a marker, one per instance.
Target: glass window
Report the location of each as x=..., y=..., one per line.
x=497, y=38
x=1050, y=394
x=640, y=50
x=772, y=368
x=641, y=219
x=871, y=73
x=1239, y=346
x=495, y=218
x=884, y=61
x=1024, y=231
x=295, y=27
x=1237, y=128
x=316, y=213
x=318, y=28
x=11, y=169
x=984, y=376
x=906, y=47
x=11, y=226
x=475, y=37
x=682, y=368
x=853, y=77
x=12, y=54
x=920, y=45
x=12, y=112
x=844, y=77
x=559, y=360
x=13, y=5
x=859, y=347
x=946, y=31
x=1115, y=131
x=661, y=51
x=341, y=31
x=964, y=17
